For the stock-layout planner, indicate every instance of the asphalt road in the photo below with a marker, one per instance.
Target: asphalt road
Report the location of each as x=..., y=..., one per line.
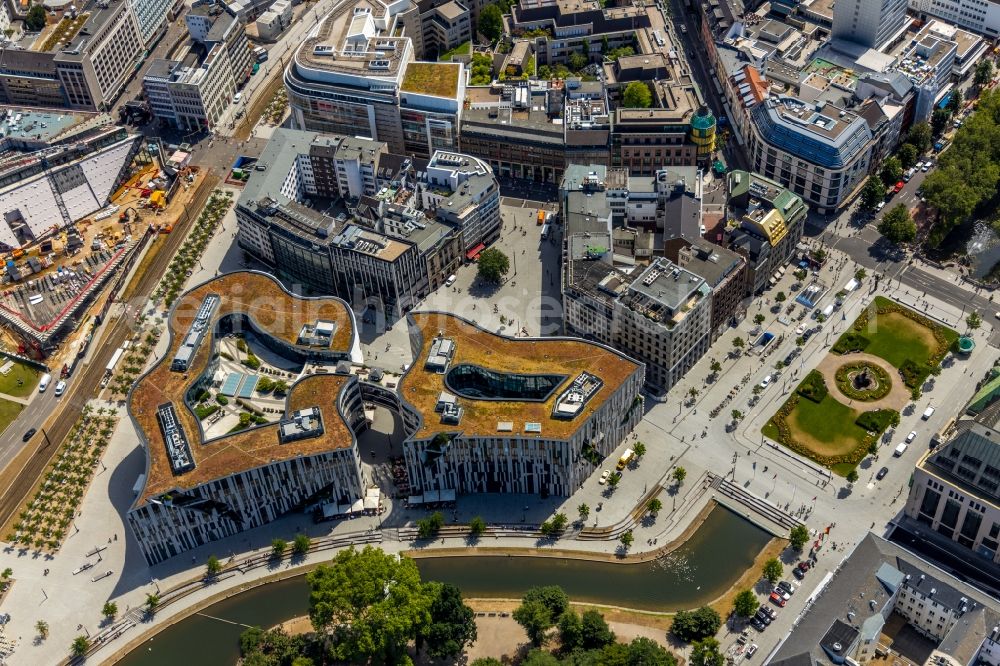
x=59, y=415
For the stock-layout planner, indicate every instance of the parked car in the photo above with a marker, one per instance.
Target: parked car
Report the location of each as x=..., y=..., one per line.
x=787, y=587
x=773, y=612
x=881, y=473
x=778, y=599
x=764, y=382
x=752, y=650
x=784, y=593
x=763, y=615
x=805, y=565
x=912, y=436
x=604, y=477
x=757, y=624
x=799, y=573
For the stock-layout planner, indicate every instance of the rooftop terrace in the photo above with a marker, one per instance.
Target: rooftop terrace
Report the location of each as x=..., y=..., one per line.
x=563, y=357
x=276, y=313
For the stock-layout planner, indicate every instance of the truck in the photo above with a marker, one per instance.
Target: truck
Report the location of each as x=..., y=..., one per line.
x=541, y=217
x=900, y=449
x=626, y=458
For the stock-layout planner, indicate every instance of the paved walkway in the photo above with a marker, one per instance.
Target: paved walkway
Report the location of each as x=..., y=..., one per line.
x=898, y=394
x=14, y=398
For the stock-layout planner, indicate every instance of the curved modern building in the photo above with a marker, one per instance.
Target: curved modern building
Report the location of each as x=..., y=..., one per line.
x=199, y=488
x=481, y=413
x=487, y=413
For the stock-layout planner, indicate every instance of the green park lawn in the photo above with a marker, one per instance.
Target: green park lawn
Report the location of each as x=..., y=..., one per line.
x=826, y=427
x=896, y=337
x=27, y=375
x=8, y=412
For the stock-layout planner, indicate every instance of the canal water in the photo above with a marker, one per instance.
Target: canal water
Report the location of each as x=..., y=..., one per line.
x=700, y=570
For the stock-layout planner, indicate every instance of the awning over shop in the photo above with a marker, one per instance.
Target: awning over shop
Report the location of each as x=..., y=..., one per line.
x=474, y=252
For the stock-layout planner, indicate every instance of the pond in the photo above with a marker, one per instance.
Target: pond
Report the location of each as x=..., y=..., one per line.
x=698, y=571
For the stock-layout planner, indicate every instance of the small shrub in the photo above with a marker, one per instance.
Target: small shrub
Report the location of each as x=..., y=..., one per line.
x=204, y=411
x=914, y=374
x=813, y=387
x=851, y=341
x=878, y=420
x=221, y=399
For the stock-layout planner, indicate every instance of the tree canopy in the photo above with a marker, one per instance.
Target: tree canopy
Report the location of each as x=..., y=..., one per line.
x=907, y=155
x=968, y=172
x=637, y=96
x=920, y=137
x=369, y=604
x=35, y=20
x=984, y=72
x=892, y=171
x=491, y=22
x=745, y=604
x=799, y=536
x=492, y=265
x=697, y=624
x=706, y=653
x=940, y=118
x=872, y=193
x=540, y=608
x=452, y=623
x=897, y=226
x=772, y=570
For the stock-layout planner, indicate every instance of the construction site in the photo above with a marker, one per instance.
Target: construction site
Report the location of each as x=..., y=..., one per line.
x=78, y=211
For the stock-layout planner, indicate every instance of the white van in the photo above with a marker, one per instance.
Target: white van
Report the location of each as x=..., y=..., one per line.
x=929, y=412
x=60, y=388
x=43, y=383
x=900, y=449
x=450, y=281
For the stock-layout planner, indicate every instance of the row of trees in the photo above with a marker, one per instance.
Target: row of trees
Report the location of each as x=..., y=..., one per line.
x=583, y=638
x=968, y=173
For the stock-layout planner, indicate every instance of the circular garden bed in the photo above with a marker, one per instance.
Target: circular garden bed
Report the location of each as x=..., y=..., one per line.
x=863, y=381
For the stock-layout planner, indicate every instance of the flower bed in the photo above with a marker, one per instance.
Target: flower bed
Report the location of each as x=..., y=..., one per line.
x=845, y=384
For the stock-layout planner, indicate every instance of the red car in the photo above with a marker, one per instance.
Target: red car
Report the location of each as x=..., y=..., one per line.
x=805, y=565
x=777, y=599
x=898, y=188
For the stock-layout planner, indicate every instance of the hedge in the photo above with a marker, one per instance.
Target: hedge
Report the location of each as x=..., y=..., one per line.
x=850, y=341
x=813, y=387
x=878, y=420
x=914, y=374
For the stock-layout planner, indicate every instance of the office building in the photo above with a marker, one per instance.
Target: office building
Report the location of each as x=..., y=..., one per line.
x=955, y=491
x=473, y=421
x=85, y=65
x=274, y=21
x=437, y=26
x=210, y=25
x=488, y=413
x=870, y=23
x=198, y=487
x=536, y=131
x=572, y=26
x=771, y=222
x=979, y=16
x=354, y=76
x=190, y=95
x=883, y=604
x=151, y=15
x=406, y=227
